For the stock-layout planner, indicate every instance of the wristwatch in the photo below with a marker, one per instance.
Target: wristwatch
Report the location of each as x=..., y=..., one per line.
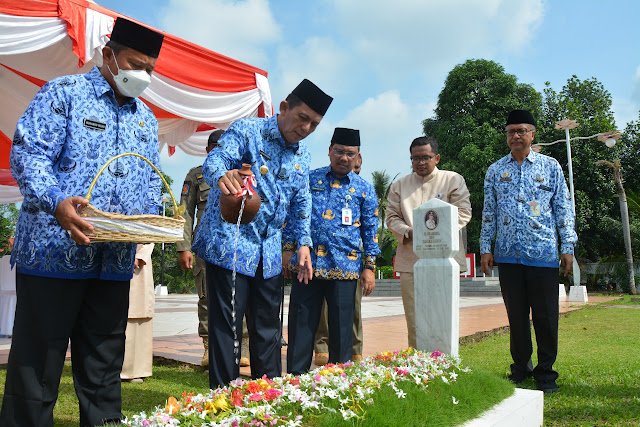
x=370, y=267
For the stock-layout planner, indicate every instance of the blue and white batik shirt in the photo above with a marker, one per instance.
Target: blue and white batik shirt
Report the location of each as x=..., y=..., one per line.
x=527, y=207
x=282, y=175
x=72, y=127
x=339, y=246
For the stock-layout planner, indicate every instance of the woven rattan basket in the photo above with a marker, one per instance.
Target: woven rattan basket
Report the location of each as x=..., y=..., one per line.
x=115, y=227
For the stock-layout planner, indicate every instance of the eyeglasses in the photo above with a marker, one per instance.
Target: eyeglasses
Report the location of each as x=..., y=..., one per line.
x=521, y=132
x=423, y=159
x=349, y=154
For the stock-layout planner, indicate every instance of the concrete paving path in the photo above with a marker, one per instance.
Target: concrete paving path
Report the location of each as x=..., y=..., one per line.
x=176, y=323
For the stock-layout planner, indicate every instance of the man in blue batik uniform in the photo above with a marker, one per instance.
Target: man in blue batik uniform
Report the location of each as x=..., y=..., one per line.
x=280, y=163
x=344, y=214
x=527, y=205
x=68, y=288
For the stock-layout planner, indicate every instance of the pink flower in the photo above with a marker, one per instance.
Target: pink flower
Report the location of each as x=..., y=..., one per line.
x=436, y=354
x=255, y=397
x=146, y=423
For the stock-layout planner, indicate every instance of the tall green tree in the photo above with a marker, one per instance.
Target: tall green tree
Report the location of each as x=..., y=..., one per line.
x=624, y=214
x=469, y=125
x=8, y=219
x=381, y=184
x=597, y=214
x=386, y=241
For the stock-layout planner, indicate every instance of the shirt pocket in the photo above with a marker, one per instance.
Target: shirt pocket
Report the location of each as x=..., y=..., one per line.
x=203, y=191
x=544, y=194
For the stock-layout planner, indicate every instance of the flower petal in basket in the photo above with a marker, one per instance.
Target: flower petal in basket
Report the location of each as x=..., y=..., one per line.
x=115, y=227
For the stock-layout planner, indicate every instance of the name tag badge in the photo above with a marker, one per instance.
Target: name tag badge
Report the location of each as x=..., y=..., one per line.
x=347, y=219
x=534, y=205
x=92, y=124
x=265, y=155
x=317, y=188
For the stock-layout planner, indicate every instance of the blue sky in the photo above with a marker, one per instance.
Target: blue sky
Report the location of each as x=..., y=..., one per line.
x=385, y=62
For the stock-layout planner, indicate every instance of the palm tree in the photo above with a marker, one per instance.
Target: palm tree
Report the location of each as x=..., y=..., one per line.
x=624, y=213
x=381, y=184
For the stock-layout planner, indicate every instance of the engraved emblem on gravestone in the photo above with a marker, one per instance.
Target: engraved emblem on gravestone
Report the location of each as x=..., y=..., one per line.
x=431, y=219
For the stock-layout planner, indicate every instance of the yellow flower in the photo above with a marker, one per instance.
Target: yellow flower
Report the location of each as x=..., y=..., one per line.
x=221, y=403
x=210, y=407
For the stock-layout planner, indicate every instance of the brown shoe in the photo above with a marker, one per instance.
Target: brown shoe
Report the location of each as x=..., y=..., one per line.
x=322, y=359
x=244, y=352
x=356, y=358
x=205, y=356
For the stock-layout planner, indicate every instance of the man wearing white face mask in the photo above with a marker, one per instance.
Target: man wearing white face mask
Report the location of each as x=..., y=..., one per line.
x=69, y=288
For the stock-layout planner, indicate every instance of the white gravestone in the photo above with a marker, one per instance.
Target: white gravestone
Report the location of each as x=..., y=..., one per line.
x=436, y=276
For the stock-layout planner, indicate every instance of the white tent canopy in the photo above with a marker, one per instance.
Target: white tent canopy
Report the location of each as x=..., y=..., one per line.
x=44, y=39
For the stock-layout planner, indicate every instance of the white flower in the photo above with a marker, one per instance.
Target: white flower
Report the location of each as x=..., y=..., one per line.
x=351, y=385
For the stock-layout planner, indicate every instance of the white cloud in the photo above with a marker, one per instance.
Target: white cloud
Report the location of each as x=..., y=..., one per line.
x=238, y=29
x=626, y=108
x=635, y=91
x=319, y=59
x=624, y=111
x=430, y=36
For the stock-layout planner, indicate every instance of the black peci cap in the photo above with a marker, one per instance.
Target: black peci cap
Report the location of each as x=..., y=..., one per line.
x=137, y=37
x=344, y=136
x=313, y=96
x=520, y=116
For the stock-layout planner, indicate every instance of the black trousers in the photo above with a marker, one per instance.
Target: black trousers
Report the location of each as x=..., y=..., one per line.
x=49, y=312
x=531, y=289
x=260, y=298
x=305, y=307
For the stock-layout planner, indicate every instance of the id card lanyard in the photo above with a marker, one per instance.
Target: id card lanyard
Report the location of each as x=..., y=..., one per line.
x=347, y=218
x=534, y=205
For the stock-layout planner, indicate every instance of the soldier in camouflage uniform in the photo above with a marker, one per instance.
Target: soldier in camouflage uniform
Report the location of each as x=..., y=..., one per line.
x=194, y=196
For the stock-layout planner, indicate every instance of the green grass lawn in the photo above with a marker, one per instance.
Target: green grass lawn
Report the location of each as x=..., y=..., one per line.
x=475, y=392
x=597, y=362
x=598, y=365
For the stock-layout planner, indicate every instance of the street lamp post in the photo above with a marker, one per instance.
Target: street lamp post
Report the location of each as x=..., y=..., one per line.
x=566, y=125
x=577, y=292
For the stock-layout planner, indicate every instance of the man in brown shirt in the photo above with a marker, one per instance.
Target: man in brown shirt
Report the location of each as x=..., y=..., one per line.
x=425, y=183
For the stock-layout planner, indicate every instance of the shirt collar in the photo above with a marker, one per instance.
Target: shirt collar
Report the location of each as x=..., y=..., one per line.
x=329, y=173
x=102, y=87
x=427, y=178
x=532, y=157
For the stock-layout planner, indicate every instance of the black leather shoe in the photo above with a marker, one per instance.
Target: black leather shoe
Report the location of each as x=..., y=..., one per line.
x=517, y=379
x=548, y=386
